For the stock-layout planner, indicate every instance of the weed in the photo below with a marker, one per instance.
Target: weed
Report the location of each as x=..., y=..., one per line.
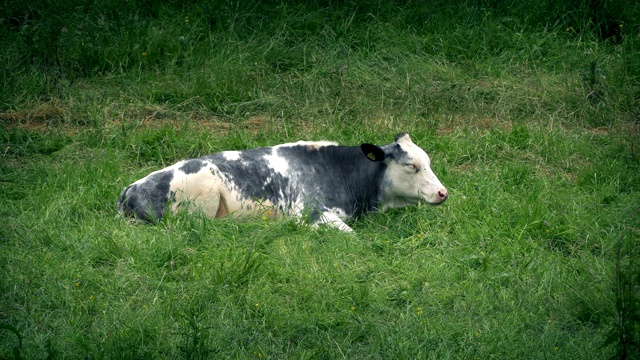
x=625, y=333
x=18, y=347
x=194, y=338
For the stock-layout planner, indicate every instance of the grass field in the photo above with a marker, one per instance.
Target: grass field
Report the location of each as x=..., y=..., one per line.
x=529, y=111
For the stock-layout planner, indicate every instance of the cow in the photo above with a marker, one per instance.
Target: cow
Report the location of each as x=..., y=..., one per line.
x=320, y=182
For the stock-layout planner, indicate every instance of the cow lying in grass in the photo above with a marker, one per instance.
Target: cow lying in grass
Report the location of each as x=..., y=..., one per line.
x=322, y=181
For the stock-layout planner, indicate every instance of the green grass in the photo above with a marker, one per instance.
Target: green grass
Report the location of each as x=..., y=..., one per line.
x=531, y=122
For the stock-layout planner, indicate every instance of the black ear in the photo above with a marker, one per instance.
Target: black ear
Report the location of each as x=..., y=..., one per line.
x=373, y=152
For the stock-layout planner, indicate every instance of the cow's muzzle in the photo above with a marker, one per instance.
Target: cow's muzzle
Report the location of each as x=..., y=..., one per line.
x=439, y=197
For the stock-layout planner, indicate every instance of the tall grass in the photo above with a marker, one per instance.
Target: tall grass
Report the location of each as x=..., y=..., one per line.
x=528, y=110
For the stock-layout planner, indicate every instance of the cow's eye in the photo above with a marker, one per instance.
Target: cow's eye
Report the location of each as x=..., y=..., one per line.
x=414, y=167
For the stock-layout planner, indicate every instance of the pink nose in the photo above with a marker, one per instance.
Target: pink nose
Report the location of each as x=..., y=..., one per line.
x=443, y=194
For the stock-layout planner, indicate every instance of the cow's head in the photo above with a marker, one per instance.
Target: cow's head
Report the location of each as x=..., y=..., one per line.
x=408, y=178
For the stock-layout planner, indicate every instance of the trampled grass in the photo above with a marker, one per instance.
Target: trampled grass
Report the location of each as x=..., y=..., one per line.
x=531, y=122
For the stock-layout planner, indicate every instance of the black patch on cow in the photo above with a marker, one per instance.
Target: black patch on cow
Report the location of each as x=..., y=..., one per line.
x=192, y=166
x=396, y=152
x=335, y=177
x=147, y=200
x=253, y=177
x=325, y=177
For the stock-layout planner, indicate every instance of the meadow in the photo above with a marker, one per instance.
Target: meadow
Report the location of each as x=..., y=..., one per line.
x=528, y=109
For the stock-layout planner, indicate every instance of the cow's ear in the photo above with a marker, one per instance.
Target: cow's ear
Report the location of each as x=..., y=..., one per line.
x=403, y=137
x=372, y=152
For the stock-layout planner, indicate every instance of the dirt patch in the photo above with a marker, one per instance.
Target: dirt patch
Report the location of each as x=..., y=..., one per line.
x=52, y=115
x=603, y=130
x=256, y=124
x=43, y=113
x=155, y=117
x=41, y=118
x=38, y=118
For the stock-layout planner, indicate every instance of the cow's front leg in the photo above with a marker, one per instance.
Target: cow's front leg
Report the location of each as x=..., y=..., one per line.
x=333, y=220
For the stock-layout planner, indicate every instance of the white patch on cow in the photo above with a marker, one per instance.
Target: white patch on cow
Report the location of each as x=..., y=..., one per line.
x=231, y=155
x=311, y=145
x=411, y=180
x=213, y=193
x=335, y=218
x=277, y=162
x=233, y=202
x=199, y=191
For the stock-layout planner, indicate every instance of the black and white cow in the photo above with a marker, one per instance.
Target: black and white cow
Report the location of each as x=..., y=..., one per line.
x=321, y=180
